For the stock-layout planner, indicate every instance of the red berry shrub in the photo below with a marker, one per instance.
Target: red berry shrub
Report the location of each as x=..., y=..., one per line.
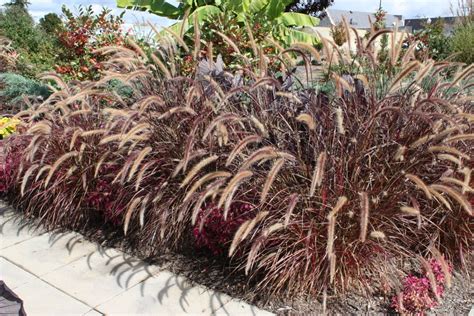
x=214, y=232
x=417, y=295
x=81, y=36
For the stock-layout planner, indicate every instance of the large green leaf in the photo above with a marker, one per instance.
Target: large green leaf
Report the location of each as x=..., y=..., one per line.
x=297, y=19
x=202, y=14
x=276, y=7
x=158, y=7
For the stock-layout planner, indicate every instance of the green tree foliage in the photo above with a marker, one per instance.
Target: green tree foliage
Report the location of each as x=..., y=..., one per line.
x=311, y=7
x=51, y=23
x=33, y=44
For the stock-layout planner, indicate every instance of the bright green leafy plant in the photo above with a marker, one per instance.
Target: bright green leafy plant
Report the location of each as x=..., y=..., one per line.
x=285, y=24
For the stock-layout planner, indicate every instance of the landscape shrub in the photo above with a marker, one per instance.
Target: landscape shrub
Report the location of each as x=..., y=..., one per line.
x=343, y=189
x=15, y=87
x=463, y=43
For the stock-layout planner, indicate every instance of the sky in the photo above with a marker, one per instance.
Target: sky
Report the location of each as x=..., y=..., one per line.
x=407, y=8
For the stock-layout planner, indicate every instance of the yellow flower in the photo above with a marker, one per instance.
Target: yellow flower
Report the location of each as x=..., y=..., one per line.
x=8, y=126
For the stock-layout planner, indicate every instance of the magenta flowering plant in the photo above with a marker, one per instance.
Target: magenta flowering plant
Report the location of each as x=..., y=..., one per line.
x=417, y=295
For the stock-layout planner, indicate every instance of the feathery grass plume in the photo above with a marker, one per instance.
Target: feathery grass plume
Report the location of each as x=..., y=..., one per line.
x=341, y=86
x=27, y=175
x=197, y=38
x=41, y=171
x=318, y=173
x=251, y=38
x=270, y=178
x=143, y=104
x=431, y=277
x=420, y=184
x=138, y=160
x=244, y=230
x=410, y=210
x=219, y=120
x=451, y=158
x=267, y=152
x=233, y=45
x=457, y=138
x=211, y=190
x=409, y=68
x=39, y=128
x=197, y=168
x=180, y=165
x=58, y=162
x=141, y=215
x=332, y=267
x=161, y=66
x=448, y=149
x=292, y=202
x=259, y=126
x=440, y=198
x=111, y=138
x=232, y=186
x=377, y=234
x=238, y=236
x=177, y=109
x=364, y=215
x=92, y=133
x=424, y=72
x=444, y=266
x=128, y=215
x=175, y=36
x=375, y=36
x=289, y=96
x=454, y=194
x=467, y=71
x=306, y=47
x=240, y=146
x=57, y=79
x=464, y=187
x=340, y=121
x=141, y=174
x=467, y=178
x=204, y=179
x=400, y=154
x=332, y=224
x=308, y=120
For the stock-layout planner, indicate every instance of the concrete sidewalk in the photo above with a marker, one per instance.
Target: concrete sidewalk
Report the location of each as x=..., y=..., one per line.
x=63, y=274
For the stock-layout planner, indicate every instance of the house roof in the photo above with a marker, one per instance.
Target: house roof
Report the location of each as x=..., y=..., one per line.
x=419, y=23
x=357, y=19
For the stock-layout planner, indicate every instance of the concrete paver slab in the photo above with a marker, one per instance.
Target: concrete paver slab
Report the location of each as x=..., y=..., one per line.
x=42, y=299
x=100, y=276
x=13, y=275
x=48, y=252
x=165, y=294
x=13, y=230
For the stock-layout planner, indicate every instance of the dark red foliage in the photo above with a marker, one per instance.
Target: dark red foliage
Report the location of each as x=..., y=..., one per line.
x=213, y=232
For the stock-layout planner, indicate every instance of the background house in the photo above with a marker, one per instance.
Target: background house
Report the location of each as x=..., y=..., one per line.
x=357, y=19
x=417, y=24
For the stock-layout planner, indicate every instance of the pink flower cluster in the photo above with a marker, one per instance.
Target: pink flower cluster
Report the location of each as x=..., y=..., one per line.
x=417, y=295
x=217, y=233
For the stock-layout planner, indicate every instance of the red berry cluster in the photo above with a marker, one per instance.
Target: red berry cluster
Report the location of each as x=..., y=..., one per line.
x=216, y=233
